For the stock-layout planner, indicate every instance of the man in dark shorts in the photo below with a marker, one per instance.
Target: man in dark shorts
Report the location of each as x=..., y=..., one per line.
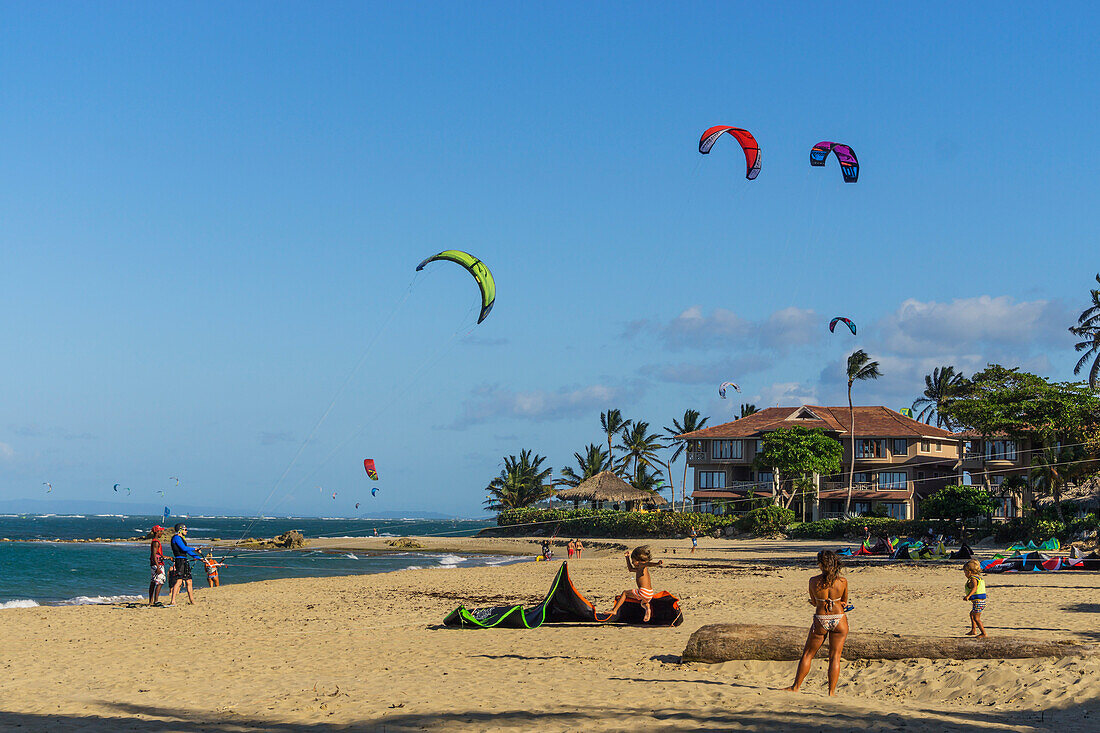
x=182, y=555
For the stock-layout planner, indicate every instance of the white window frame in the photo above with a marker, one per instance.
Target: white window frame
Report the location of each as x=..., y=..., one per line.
x=736, y=450
x=707, y=477
x=886, y=484
x=894, y=447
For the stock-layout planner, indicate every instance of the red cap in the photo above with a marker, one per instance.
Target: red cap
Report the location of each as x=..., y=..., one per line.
x=158, y=528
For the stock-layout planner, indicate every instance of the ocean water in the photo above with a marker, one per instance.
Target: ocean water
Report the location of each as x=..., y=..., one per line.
x=37, y=569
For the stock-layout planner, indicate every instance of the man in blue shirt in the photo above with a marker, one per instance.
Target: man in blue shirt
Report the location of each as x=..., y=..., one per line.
x=182, y=554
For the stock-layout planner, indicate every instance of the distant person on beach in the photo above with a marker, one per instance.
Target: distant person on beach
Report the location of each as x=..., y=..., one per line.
x=212, y=566
x=156, y=563
x=182, y=554
x=829, y=597
x=547, y=553
x=638, y=561
x=579, y=547
x=975, y=593
x=694, y=539
x=571, y=548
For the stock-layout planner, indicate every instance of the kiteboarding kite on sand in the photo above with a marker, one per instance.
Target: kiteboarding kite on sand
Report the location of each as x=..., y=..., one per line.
x=565, y=604
x=849, y=166
x=477, y=269
x=748, y=144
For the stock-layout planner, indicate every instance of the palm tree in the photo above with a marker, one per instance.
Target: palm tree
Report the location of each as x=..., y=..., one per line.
x=1088, y=328
x=521, y=483
x=748, y=409
x=640, y=446
x=860, y=368
x=941, y=384
x=1055, y=466
x=592, y=462
x=647, y=481
x=690, y=424
x=613, y=424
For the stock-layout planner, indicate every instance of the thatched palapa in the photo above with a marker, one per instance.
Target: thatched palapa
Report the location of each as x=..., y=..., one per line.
x=606, y=487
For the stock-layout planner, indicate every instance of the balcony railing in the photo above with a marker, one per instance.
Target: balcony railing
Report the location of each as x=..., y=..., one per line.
x=697, y=456
x=861, y=487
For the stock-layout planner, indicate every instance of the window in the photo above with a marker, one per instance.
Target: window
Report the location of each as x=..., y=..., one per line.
x=861, y=477
x=893, y=481
x=861, y=507
x=967, y=479
x=939, y=446
x=920, y=475
x=1005, y=509
x=1000, y=450
x=765, y=477
x=870, y=448
x=901, y=447
x=925, y=446
x=895, y=510
x=712, y=479
x=725, y=449
x=759, y=448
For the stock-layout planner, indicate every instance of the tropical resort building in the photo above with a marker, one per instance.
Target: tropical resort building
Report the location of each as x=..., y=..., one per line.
x=899, y=461
x=605, y=490
x=990, y=461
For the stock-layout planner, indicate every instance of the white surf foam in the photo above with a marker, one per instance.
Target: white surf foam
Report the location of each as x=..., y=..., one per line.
x=451, y=560
x=22, y=603
x=97, y=600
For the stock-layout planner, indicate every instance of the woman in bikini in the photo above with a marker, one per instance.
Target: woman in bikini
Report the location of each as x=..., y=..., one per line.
x=829, y=597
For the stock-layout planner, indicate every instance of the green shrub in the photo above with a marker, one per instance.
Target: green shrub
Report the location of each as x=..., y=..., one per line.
x=607, y=523
x=766, y=520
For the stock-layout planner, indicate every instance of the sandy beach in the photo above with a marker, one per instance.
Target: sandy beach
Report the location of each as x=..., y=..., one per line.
x=368, y=652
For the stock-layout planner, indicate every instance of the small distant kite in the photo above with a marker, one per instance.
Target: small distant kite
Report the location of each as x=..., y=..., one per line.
x=846, y=321
x=173, y=478
x=116, y=487
x=374, y=492
x=744, y=137
x=127, y=491
x=48, y=485
x=906, y=412
x=160, y=492
x=477, y=269
x=333, y=494
x=372, y=472
x=356, y=505
x=849, y=166
x=722, y=388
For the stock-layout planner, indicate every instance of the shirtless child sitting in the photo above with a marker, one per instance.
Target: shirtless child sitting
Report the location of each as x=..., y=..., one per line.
x=638, y=561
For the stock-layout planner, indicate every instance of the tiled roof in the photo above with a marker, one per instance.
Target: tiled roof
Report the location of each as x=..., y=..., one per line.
x=870, y=421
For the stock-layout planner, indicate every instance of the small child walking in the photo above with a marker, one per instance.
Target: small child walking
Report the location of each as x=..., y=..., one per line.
x=638, y=561
x=975, y=593
x=212, y=566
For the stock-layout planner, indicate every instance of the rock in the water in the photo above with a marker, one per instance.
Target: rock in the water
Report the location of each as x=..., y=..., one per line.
x=725, y=642
x=290, y=540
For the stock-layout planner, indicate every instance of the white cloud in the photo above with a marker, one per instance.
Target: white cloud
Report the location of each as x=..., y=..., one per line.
x=787, y=394
x=790, y=327
x=492, y=402
x=986, y=328
x=6, y=452
x=692, y=329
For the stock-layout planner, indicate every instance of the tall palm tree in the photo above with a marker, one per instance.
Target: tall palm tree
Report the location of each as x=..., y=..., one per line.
x=1055, y=466
x=942, y=383
x=522, y=482
x=613, y=424
x=592, y=462
x=640, y=446
x=748, y=409
x=1088, y=328
x=647, y=481
x=690, y=424
x=860, y=368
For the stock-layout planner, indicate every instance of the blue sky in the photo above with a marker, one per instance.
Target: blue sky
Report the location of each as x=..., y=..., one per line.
x=209, y=214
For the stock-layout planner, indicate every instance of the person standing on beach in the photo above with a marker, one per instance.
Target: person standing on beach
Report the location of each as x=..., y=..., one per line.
x=212, y=566
x=694, y=539
x=975, y=593
x=182, y=555
x=579, y=547
x=571, y=548
x=156, y=563
x=828, y=595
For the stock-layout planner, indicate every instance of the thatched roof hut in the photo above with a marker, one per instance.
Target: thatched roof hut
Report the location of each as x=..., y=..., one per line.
x=606, y=487
x=1084, y=496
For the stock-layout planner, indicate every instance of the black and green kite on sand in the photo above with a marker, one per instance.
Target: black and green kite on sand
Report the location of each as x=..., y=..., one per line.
x=564, y=604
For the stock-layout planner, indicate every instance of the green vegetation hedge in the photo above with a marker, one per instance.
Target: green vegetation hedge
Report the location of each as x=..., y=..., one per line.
x=607, y=523
x=766, y=520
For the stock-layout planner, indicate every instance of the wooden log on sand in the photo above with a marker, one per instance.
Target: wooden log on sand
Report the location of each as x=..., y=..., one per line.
x=724, y=642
